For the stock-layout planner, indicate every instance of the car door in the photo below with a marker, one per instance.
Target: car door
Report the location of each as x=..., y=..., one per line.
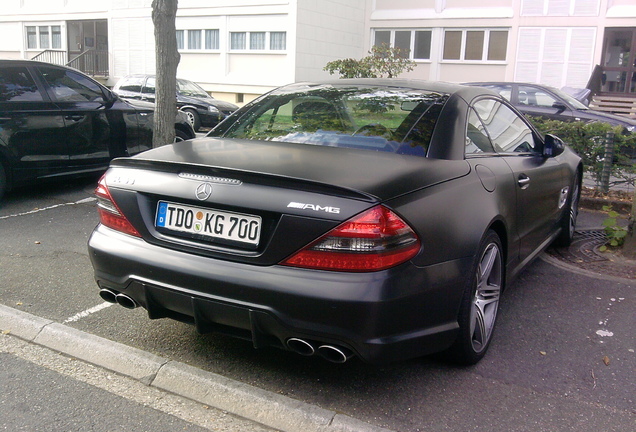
x=540, y=182
x=94, y=133
x=32, y=136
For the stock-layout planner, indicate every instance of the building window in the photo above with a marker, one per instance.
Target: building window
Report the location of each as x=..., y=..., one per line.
x=238, y=41
x=56, y=37
x=194, y=39
x=212, y=40
x=32, y=35
x=277, y=41
x=258, y=41
x=475, y=45
x=413, y=44
x=44, y=37
x=198, y=40
x=180, y=39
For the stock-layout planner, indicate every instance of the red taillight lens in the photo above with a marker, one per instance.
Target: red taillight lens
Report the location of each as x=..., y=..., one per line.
x=109, y=213
x=374, y=240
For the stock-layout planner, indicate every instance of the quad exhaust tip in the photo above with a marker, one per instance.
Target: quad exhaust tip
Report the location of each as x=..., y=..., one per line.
x=332, y=353
x=119, y=298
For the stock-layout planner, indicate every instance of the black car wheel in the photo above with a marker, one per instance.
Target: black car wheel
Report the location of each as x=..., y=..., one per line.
x=480, y=304
x=180, y=135
x=568, y=220
x=193, y=118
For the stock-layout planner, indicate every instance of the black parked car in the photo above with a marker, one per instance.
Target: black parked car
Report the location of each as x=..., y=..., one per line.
x=376, y=218
x=549, y=102
x=57, y=121
x=201, y=108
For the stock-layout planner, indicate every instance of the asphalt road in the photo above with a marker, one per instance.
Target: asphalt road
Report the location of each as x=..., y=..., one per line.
x=562, y=358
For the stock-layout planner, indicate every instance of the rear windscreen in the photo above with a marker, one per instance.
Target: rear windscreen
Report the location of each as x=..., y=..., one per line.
x=398, y=120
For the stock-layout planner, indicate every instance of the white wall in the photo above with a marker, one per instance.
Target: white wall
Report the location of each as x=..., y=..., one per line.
x=328, y=30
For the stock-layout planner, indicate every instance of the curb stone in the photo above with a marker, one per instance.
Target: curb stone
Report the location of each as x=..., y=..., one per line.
x=255, y=404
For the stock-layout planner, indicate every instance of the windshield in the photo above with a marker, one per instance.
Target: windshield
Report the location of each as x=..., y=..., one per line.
x=574, y=103
x=398, y=120
x=188, y=88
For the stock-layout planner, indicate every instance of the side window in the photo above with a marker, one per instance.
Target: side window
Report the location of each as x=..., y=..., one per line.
x=477, y=140
x=504, y=90
x=69, y=86
x=132, y=84
x=535, y=97
x=149, y=88
x=16, y=85
x=508, y=132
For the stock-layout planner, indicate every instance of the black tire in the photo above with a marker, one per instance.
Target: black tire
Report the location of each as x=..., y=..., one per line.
x=3, y=181
x=570, y=214
x=193, y=118
x=480, y=303
x=180, y=135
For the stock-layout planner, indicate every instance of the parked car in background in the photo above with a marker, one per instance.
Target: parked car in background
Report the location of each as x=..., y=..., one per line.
x=375, y=218
x=202, y=109
x=549, y=102
x=56, y=121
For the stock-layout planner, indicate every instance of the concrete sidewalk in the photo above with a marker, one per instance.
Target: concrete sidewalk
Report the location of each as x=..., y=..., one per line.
x=252, y=403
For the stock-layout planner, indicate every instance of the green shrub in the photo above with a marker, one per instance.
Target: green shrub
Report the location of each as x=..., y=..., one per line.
x=588, y=140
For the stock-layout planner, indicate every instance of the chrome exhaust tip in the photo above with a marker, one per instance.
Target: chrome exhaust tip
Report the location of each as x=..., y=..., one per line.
x=334, y=354
x=125, y=301
x=108, y=295
x=301, y=346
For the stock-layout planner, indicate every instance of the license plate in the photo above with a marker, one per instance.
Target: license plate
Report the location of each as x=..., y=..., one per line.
x=210, y=223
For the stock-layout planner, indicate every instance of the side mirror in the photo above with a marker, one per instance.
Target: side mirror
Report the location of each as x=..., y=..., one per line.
x=110, y=97
x=552, y=146
x=559, y=106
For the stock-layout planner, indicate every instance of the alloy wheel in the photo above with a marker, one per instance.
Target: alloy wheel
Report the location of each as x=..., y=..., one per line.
x=485, y=302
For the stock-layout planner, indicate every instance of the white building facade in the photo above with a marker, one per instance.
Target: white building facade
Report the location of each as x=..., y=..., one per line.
x=238, y=49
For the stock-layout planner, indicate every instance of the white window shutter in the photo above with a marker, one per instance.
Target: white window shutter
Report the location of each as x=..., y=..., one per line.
x=532, y=8
x=586, y=7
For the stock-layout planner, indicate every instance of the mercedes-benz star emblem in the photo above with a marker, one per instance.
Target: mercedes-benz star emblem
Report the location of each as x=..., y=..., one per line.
x=203, y=191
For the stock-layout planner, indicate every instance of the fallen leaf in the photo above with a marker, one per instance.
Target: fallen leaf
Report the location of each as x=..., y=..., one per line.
x=543, y=353
x=6, y=332
x=606, y=360
x=18, y=304
x=37, y=242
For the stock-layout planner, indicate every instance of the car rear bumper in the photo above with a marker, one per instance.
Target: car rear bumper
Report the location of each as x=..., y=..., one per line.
x=382, y=316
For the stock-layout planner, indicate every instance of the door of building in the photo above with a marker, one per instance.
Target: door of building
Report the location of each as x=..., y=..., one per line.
x=619, y=62
x=88, y=46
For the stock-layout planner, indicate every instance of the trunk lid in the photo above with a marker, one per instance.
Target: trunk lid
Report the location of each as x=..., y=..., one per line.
x=296, y=192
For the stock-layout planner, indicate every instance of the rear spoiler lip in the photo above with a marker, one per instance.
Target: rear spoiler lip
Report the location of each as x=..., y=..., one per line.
x=245, y=176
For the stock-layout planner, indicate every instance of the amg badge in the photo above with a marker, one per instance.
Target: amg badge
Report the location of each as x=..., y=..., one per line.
x=314, y=207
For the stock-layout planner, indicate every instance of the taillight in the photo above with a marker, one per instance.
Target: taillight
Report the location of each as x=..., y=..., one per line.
x=109, y=213
x=374, y=240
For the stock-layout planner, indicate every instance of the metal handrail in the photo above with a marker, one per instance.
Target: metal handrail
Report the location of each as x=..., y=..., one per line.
x=51, y=56
x=91, y=61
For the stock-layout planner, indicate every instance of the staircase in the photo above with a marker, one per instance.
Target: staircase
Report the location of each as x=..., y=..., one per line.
x=615, y=104
x=91, y=62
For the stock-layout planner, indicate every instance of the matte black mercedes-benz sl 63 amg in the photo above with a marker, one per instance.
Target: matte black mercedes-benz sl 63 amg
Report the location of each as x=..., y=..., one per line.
x=372, y=218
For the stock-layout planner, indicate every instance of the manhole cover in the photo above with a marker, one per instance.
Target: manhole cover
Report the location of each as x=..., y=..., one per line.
x=582, y=249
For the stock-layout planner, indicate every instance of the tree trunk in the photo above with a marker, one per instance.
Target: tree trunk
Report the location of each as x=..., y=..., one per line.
x=164, y=13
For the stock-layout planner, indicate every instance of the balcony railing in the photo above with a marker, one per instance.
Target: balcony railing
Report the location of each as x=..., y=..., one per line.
x=92, y=62
x=52, y=56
